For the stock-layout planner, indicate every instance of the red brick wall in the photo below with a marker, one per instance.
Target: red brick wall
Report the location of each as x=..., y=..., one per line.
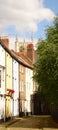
x=30, y=52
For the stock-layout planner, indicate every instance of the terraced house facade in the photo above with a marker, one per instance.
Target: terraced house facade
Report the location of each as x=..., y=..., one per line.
x=16, y=83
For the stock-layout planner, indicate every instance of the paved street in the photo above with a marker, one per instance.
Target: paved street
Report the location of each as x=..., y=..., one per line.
x=31, y=123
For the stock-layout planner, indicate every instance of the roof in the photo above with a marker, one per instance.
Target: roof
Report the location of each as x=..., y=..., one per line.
x=14, y=55
x=25, y=58
x=22, y=58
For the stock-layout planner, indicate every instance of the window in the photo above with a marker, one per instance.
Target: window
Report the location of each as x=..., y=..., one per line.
x=22, y=105
x=21, y=69
x=21, y=86
x=0, y=78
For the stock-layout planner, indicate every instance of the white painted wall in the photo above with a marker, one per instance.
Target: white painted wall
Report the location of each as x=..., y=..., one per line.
x=15, y=80
x=2, y=56
x=29, y=89
x=2, y=106
x=2, y=87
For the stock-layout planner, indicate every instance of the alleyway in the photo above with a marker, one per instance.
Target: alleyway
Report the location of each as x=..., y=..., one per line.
x=30, y=123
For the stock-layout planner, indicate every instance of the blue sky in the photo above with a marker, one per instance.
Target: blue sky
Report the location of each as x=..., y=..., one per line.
x=21, y=18
x=53, y=5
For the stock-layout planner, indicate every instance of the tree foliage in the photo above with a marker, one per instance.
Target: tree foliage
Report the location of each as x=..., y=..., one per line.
x=46, y=66
x=22, y=48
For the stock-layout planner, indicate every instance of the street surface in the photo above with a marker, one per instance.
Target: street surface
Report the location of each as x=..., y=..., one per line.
x=31, y=123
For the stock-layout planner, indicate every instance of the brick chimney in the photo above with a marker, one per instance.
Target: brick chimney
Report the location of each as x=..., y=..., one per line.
x=31, y=52
x=5, y=41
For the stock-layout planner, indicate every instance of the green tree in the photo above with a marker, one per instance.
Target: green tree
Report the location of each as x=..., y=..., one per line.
x=22, y=48
x=46, y=66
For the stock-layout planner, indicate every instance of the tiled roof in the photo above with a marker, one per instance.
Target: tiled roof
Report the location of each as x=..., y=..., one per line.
x=23, y=58
x=15, y=55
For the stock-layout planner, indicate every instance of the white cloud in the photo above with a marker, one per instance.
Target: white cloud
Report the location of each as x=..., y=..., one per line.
x=23, y=15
